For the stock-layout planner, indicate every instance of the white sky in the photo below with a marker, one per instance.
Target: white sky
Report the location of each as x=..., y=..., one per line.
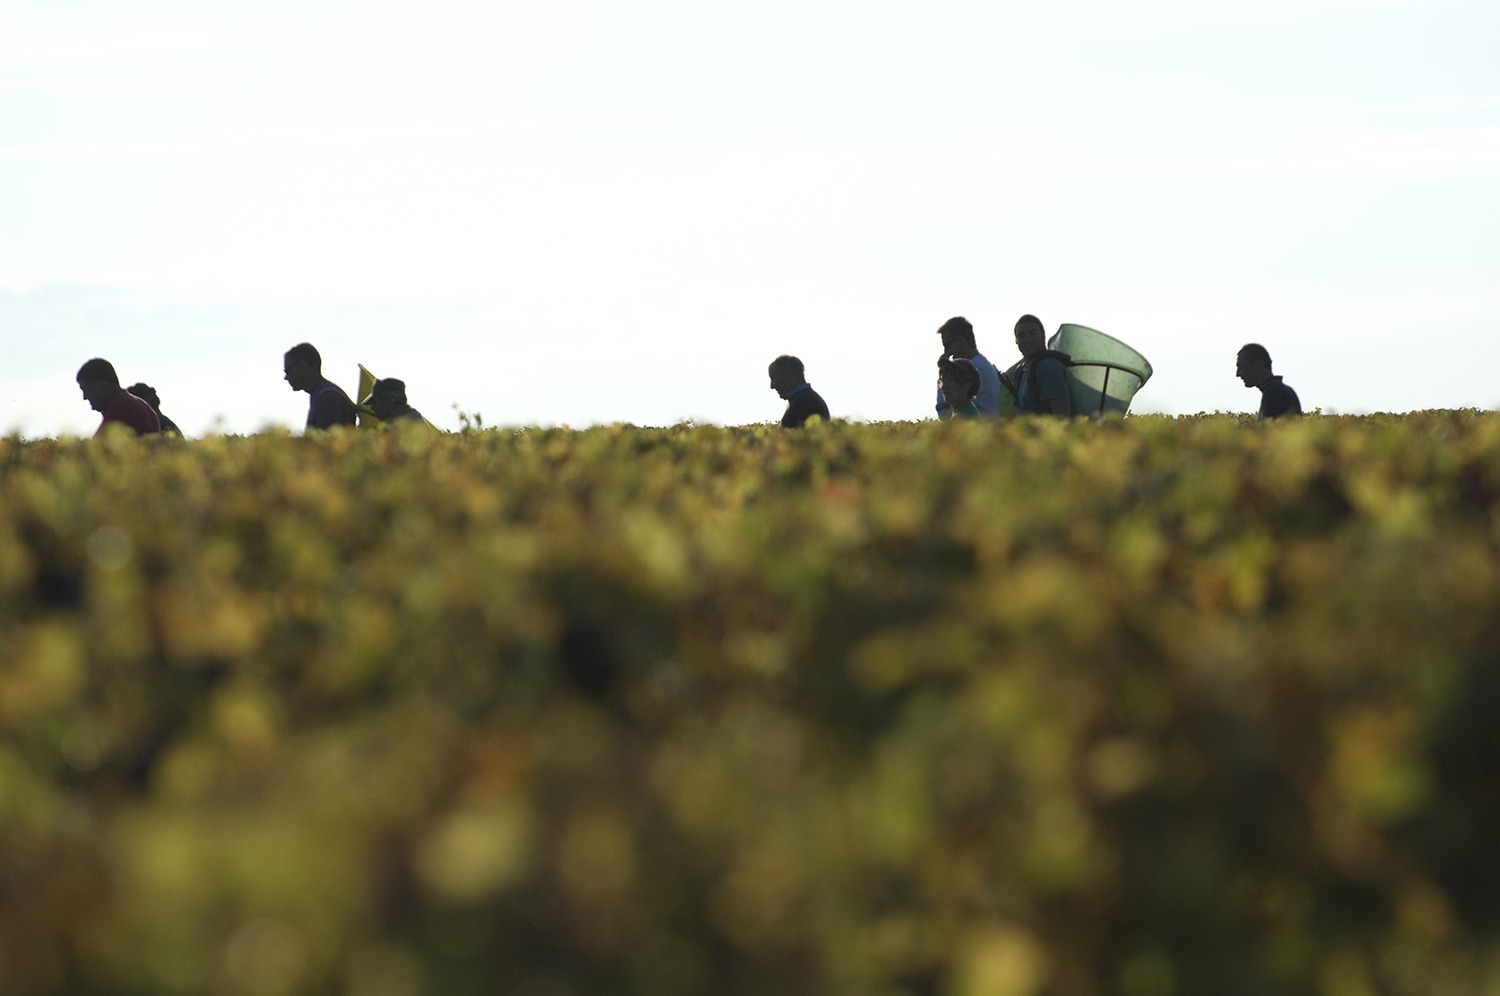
x=575, y=212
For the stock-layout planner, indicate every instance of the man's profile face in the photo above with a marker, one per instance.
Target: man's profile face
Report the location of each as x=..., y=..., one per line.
x=95, y=392
x=1249, y=370
x=1030, y=340
x=297, y=374
x=782, y=380
x=957, y=343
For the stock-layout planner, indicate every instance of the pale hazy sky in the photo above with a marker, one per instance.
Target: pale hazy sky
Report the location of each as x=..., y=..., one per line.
x=573, y=212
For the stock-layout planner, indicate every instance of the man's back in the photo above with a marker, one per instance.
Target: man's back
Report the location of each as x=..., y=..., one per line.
x=1277, y=399
x=329, y=406
x=1044, y=379
x=803, y=404
x=126, y=409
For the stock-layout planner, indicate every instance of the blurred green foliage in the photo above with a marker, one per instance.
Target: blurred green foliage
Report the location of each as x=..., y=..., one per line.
x=1150, y=706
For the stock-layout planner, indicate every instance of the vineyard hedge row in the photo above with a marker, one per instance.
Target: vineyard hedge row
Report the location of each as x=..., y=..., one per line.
x=1150, y=706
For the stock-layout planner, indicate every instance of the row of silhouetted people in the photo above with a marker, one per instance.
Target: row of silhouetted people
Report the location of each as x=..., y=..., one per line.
x=139, y=408
x=969, y=385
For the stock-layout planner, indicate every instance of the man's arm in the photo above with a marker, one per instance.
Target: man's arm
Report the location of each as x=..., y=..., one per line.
x=1052, y=388
x=319, y=414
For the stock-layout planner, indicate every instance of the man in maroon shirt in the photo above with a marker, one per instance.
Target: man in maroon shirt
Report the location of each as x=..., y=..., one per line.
x=327, y=404
x=101, y=387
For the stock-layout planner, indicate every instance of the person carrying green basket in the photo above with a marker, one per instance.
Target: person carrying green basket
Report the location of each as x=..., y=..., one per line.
x=1041, y=384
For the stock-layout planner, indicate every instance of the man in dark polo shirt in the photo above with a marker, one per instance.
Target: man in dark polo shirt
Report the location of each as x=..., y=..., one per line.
x=101, y=388
x=802, y=402
x=327, y=404
x=1253, y=366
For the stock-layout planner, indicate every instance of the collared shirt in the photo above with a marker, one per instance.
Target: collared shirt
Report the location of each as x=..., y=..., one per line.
x=802, y=403
x=328, y=406
x=126, y=409
x=988, y=399
x=1277, y=399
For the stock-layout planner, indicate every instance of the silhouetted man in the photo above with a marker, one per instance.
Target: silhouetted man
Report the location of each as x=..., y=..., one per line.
x=1042, y=388
x=101, y=388
x=802, y=402
x=1253, y=366
x=327, y=404
x=148, y=394
x=388, y=401
x=958, y=340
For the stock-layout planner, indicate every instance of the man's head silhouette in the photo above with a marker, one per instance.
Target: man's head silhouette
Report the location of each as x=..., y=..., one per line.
x=98, y=382
x=786, y=374
x=1253, y=364
x=387, y=397
x=957, y=334
x=302, y=367
x=1031, y=336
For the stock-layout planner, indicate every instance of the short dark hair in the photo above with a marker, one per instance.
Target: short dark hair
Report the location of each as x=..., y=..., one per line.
x=390, y=386
x=957, y=325
x=100, y=370
x=146, y=393
x=960, y=369
x=306, y=353
x=790, y=364
x=1030, y=321
x=1255, y=351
